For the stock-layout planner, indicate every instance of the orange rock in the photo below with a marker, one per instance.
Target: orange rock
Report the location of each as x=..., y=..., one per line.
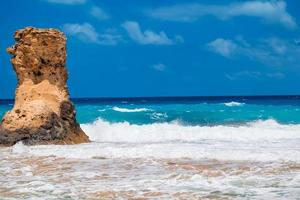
x=43, y=112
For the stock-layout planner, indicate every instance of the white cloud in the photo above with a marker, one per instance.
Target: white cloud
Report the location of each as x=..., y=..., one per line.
x=99, y=13
x=87, y=33
x=94, y=11
x=148, y=36
x=159, y=67
x=67, y=2
x=270, y=51
x=269, y=11
x=224, y=47
x=109, y=39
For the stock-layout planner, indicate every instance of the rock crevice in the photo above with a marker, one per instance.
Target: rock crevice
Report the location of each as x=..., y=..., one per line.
x=43, y=112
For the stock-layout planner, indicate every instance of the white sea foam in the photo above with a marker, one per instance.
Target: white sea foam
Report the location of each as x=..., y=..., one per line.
x=257, y=141
x=233, y=103
x=158, y=116
x=118, y=109
x=103, y=131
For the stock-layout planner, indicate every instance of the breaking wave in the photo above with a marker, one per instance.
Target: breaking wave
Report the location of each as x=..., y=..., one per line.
x=233, y=103
x=257, y=141
x=118, y=109
x=103, y=131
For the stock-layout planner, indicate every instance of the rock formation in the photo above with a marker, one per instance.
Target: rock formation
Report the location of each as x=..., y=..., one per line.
x=42, y=113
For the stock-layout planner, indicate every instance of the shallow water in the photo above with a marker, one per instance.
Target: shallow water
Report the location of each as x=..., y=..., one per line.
x=50, y=177
x=134, y=156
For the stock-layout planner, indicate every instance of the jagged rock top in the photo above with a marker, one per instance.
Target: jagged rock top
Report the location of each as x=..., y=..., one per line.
x=39, y=54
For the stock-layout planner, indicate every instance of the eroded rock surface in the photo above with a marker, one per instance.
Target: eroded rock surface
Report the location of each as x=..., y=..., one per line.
x=42, y=113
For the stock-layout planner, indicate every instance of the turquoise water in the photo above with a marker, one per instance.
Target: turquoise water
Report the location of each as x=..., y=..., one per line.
x=4, y=107
x=189, y=114
x=187, y=111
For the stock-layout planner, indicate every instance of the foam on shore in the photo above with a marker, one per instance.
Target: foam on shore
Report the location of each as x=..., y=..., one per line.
x=258, y=141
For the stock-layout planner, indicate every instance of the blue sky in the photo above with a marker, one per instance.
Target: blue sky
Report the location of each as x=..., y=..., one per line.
x=120, y=48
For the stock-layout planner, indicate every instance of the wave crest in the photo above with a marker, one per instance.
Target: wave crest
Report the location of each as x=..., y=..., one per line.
x=118, y=109
x=103, y=131
x=233, y=103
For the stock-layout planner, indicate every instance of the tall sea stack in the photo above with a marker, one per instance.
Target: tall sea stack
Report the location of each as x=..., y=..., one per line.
x=43, y=112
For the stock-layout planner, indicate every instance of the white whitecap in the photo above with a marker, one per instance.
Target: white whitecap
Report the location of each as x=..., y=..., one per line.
x=157, y=116
x=233, y=103
x=118, y=109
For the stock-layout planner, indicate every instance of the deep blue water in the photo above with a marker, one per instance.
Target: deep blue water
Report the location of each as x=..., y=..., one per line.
x=186, y=110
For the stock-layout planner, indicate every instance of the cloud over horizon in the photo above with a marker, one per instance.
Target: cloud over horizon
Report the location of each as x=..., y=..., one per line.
x=148, y=36
x=270, y=51
x=269, y=11
x=87, y=33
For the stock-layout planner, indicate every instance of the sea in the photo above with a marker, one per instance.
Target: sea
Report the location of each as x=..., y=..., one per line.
x=165, y=148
